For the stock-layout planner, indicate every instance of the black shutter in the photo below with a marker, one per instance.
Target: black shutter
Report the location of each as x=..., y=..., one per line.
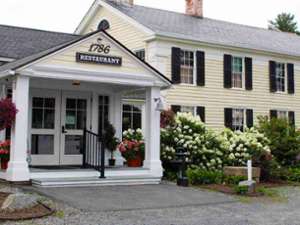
x=201, y=113
x=292, y=118
x=227, y=71
x=249, y=118
x=228, y=117
x=176, y=108
x=272, y=71
x=248, y=73
x=200, y=68
x=291, y=78
x=273, y=114
x=176, y=65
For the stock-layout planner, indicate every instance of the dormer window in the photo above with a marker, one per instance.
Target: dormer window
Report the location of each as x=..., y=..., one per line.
x=103, y=25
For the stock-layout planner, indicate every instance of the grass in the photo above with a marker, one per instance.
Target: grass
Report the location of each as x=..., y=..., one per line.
x=59, y=214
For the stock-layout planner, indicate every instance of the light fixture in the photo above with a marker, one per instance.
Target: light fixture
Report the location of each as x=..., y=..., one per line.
x=76, y=83
x=161, y=106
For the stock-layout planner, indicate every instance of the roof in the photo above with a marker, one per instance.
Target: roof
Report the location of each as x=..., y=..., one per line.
x=18, y=42
x=182, y=26
x=32, y=58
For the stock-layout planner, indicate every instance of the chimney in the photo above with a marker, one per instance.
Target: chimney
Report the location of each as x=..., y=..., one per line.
x=125, y=2
x=194, y=8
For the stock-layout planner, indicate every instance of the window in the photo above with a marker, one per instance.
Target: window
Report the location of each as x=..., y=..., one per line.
x=132, y=116
x=282, y=114
x=103, y=25
x=76, y=113
x=280, y=77
x=238, y=118
x=237, y=72
x=188, y=109
x=187, y=67
x=141, y=54
x=103, y=114
x=43, y=113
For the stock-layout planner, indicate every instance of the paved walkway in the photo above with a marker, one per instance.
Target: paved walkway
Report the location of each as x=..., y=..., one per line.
x=166, y=205
x=120, y=198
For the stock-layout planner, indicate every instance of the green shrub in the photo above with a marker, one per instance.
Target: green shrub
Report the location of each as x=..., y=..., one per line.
x=198, y=175
x=241, y=190
x=234, y=180
x=284, y=140
x=294, y=174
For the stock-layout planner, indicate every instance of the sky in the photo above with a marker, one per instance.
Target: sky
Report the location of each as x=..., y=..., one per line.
x=65, y=15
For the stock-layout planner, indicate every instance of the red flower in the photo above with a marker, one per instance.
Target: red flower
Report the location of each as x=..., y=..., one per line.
x=8, y=113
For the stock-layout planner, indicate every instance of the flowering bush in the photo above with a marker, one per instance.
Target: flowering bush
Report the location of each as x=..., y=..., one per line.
x=167, y=118
x=8, y=113
x=203, y=145
x=5, y=149
x=242, y=146
x=132, y=146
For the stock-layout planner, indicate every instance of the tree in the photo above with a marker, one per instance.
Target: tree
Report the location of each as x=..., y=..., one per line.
x=285, y=22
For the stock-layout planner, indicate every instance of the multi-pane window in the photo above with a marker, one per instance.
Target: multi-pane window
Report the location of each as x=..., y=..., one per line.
x=238, y=118
x=282, y=114
x=43, y=113
x=280, y=77
x=237, y=72
x=132, y=116
x=141, y=54
x=188, y=109
x=103, y=113
x=76, y=113
x=187, y=67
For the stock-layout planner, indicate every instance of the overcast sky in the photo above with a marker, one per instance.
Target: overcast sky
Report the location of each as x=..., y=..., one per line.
x=64, y=15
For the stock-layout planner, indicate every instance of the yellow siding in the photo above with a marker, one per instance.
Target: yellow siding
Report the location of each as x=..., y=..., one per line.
x=214, y=97
x=132, y=37
x=67, y=58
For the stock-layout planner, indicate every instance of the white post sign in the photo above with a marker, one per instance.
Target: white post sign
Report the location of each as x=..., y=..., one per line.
x=249, y=165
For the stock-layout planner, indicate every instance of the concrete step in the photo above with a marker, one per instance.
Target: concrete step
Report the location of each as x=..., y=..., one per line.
x=95, y=181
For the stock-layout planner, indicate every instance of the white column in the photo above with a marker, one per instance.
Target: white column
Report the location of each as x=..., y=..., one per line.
x=95, y=111
x=2, y=95
x=18, y=167
x=152, y=137
x=117, y=122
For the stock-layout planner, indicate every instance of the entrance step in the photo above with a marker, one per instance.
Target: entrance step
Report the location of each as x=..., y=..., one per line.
x=95, y=181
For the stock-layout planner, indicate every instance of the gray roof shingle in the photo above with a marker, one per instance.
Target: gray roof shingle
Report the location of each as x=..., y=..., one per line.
x=17, y=42
x=179, y=25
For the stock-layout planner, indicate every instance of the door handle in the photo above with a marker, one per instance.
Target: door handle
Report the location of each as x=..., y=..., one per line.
x=63, y=130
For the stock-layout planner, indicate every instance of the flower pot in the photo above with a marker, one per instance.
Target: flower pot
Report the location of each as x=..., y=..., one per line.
x=111, y=162
x=4, y=163
x=137, y=162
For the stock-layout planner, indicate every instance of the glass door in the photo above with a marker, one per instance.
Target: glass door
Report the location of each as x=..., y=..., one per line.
x=44, y=127
x=75, y=116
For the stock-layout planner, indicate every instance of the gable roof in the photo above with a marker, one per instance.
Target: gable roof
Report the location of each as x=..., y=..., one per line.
x=18, y=42
x=17, y=64
x=211, y=31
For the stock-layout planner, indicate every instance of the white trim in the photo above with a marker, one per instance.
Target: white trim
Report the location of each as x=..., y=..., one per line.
x=167, y=38
x=93, y=9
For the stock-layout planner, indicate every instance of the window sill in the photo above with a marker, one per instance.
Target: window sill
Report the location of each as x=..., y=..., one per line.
x=187, y=85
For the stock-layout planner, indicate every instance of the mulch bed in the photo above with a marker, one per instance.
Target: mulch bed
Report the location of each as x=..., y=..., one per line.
x=37, y=211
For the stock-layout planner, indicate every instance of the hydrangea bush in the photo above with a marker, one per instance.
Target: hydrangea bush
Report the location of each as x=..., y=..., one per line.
x=190, y=133
x=210, y=150
x=242, y=146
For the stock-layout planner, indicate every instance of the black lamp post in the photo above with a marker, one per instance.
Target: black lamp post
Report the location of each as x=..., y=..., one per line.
x=181, y=163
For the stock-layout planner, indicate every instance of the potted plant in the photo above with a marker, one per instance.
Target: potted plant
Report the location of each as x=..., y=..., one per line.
x=111, y=142
x=8, y=113
x=4, y=153
x=132, y=147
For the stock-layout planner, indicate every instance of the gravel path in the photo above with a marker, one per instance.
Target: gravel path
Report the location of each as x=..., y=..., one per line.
x=284, y=211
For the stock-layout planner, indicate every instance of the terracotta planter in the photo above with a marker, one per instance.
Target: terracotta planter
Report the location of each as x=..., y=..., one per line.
x=137, y=162
x=4, y=163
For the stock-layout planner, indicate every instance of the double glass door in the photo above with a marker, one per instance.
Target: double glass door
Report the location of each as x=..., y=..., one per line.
x=57, y=123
